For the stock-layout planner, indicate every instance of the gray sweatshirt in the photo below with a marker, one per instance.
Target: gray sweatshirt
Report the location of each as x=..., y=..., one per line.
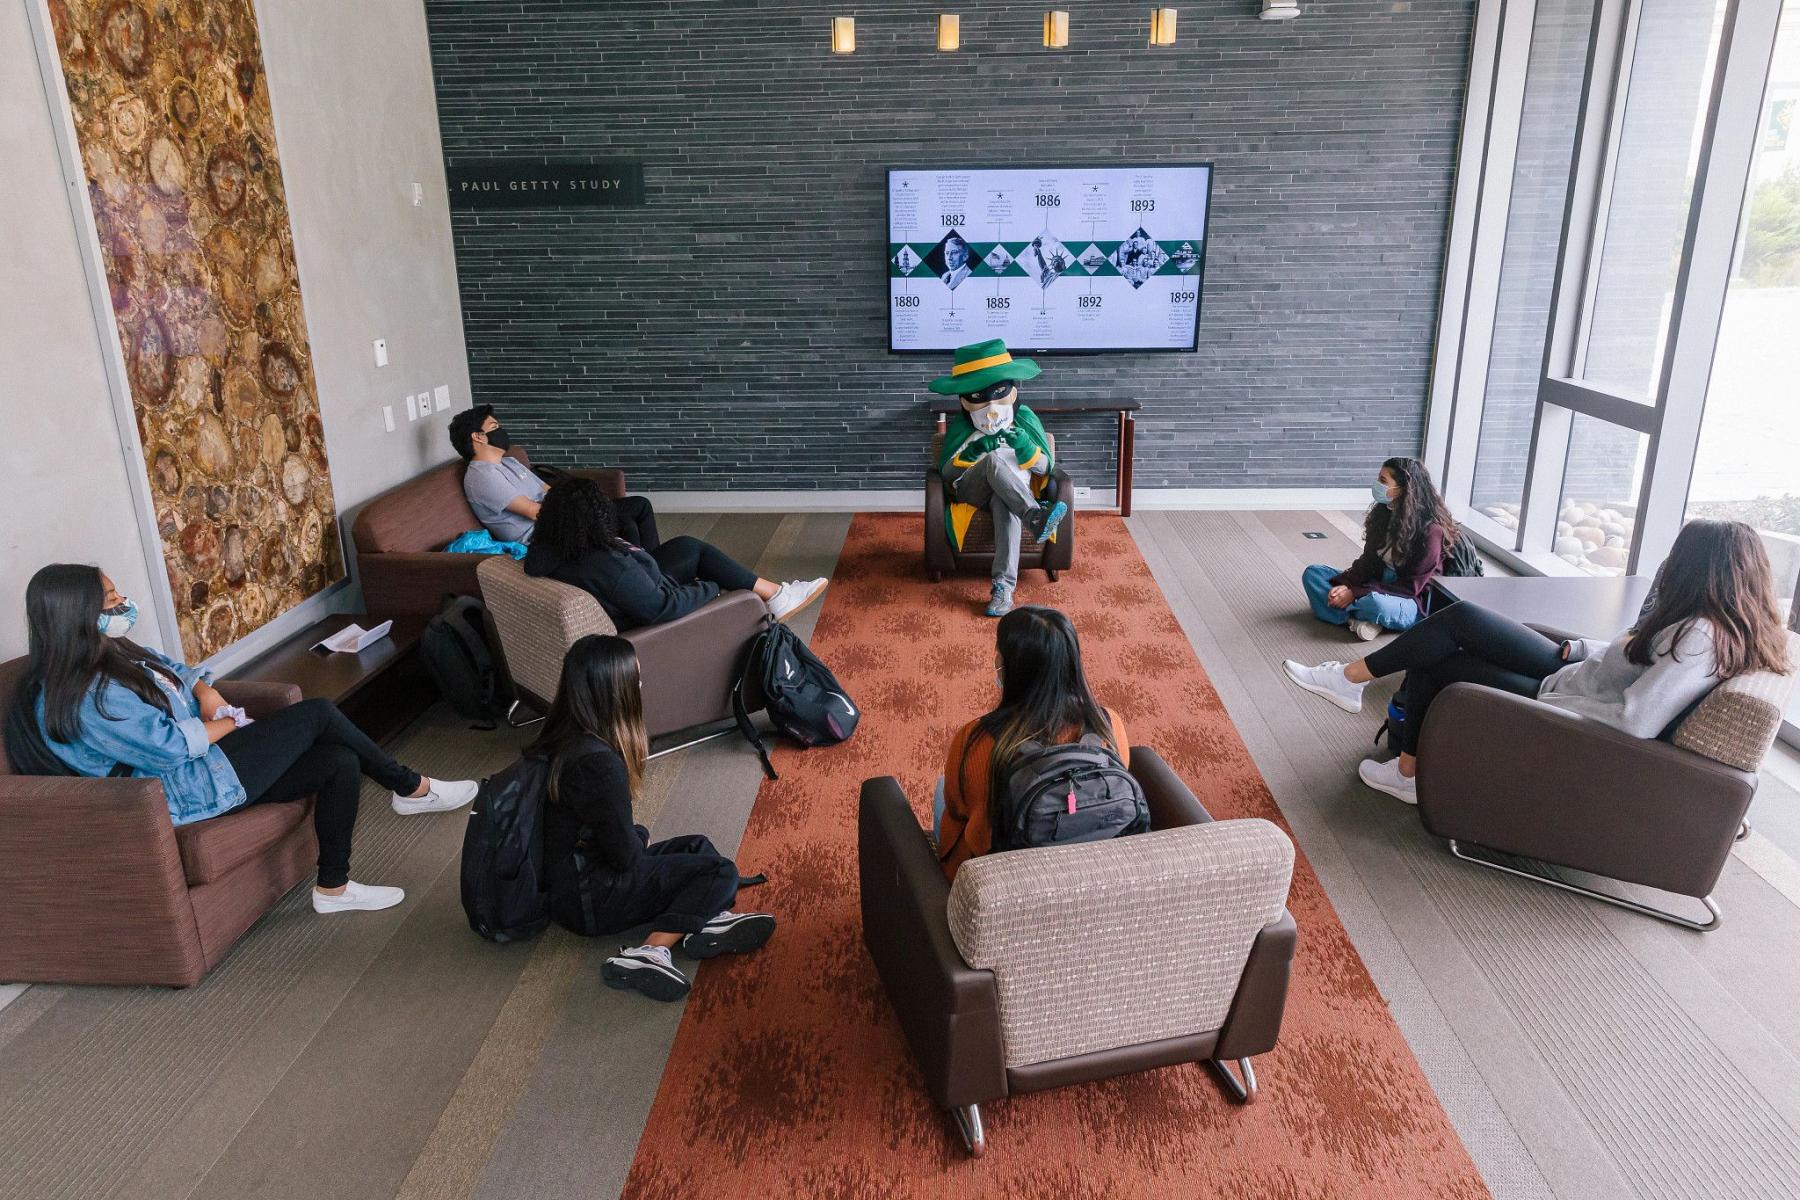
x=1600, y=683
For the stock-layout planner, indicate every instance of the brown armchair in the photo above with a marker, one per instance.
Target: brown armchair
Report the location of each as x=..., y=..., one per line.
x=1588, y=798
x=400, y=537
x=102, y=887
x=987, y=976
x=977, y=553
x=688, y=665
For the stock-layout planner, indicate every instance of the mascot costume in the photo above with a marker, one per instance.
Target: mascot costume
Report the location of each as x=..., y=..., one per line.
x=996, y=456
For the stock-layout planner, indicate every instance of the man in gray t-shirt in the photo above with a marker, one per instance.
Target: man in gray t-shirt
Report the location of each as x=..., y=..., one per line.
x=505, y=493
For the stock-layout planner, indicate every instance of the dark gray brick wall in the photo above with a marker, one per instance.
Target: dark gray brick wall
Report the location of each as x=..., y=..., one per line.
x=733, y=332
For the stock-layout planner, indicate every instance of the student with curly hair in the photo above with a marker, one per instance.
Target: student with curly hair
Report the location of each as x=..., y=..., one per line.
x=1406, y=539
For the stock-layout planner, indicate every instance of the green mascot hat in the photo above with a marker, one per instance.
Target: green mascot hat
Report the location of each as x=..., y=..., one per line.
x=979, y=365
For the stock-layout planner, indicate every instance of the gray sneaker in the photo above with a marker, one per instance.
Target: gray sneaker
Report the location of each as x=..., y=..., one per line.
x=1002, y=601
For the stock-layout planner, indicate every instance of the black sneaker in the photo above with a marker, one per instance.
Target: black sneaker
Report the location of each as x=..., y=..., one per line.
x=729, y=933
x=645, y=969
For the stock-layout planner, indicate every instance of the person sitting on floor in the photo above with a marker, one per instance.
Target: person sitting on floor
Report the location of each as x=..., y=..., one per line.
x=505, y=494
x=92, y=702
x=996, y=456
x=603, y=873
x=1044, y=697
x=1406, y=538
x=1711, y=616
x=579, y=543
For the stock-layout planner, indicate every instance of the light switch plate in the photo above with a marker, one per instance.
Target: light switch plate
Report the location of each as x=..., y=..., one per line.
x=440, y=397
x=387, y=416
x=424, y=404
x=412, y=408
x=381, y=352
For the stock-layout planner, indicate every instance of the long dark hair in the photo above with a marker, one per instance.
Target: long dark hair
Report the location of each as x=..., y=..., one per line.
x=1397, y=529
x=1717, y=571
x=599, y=696
x=1043, y=690
x=68, y=652
x=577, y=517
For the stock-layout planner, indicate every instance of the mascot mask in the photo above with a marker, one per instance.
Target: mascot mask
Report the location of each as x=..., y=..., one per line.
x=991, y=409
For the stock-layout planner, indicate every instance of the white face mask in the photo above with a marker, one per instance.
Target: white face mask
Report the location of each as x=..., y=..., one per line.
x=117, y=621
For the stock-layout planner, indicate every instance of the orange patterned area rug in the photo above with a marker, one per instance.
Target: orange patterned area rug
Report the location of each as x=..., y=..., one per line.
x=790, y=1077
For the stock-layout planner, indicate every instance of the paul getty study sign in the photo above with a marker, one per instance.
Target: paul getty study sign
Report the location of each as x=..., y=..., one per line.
x=519, y=183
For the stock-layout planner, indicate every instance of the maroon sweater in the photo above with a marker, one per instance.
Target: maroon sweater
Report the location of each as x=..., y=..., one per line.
x=1410, y=579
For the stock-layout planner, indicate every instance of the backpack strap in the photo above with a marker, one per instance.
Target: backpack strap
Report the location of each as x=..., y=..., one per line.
x=741, y=710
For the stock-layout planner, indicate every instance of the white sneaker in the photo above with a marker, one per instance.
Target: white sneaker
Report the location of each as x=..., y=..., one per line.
x=1327, y=680
x=1366, y=631
x=441, y=796
x=1386, y=777
x=795, y=595
x=357, y=897
x=646, y=969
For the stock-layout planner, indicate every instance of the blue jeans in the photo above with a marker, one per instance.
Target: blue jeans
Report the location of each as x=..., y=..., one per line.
x=1389, y=612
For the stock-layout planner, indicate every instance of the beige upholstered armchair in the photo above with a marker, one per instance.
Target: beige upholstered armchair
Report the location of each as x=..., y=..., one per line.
x=689, y=665
x=1041, y=968
x=1589, y=799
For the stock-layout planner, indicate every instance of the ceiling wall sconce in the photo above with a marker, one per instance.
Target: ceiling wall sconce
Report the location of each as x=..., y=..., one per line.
x=1056, y=30
x=1280, y=10
x=843, y=35
x=949, y=31
x=1162, y=27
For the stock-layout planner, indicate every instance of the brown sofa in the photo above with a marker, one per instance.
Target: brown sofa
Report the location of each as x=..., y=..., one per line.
x=688, y=665
x=986, y=975
x=977, y=553
x=1645, y=811
x=99, y=885
x=401, y=534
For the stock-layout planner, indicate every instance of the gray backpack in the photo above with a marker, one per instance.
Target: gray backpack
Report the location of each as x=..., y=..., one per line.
x=1070, y=792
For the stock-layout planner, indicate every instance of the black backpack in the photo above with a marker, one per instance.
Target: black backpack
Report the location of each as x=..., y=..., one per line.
x=503, y=889
x=1461, y=559
x=803, y=698
x=456, y=654
x=1063, y=793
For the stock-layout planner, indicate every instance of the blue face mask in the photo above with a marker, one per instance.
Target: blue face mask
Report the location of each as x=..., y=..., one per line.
x=117, y=622
x=1378, y=489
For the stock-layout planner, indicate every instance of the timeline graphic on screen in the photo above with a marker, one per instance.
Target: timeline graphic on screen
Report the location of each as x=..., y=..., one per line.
x=1049, y=258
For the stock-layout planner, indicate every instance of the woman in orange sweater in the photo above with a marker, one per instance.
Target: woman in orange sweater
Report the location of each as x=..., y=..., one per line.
x=1044, y=696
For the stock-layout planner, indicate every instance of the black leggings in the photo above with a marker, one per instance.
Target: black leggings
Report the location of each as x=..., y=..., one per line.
x=687, y=559
x=1463, y=643
x=307, y=749
x=677, y=886
x=637, y=522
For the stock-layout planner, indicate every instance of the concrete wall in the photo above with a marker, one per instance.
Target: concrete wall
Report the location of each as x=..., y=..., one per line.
x=64, y=489
x=732, y=333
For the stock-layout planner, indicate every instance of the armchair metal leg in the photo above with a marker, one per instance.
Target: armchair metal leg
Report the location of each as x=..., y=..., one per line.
x=1543, y=874
x=1743, y=831
x=1243, y=1092
x=968, y=1123
x=512, y=714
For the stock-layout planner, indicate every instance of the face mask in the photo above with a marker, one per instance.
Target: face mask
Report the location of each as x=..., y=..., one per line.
x=1378, y=489
x=496, y=437
x=117, y=621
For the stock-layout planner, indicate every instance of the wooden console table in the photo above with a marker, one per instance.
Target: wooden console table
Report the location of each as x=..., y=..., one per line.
x=1127, y=410
x=382, y=689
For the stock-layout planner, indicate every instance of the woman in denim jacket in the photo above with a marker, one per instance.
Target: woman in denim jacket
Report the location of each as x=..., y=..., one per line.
x=100, y=704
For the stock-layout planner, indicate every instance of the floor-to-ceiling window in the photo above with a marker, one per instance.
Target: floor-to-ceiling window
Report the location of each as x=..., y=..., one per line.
x=1621, y=332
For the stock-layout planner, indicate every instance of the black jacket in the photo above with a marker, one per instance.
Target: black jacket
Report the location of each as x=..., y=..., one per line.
x=628, y=584
x=588, y=830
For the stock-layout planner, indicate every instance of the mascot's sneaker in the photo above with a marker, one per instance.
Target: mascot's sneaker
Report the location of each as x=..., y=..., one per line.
x=1045, y=520
x=795, y=595
x=357, y=897
x=441, y=796
x=1001, y=604
x=646, y=969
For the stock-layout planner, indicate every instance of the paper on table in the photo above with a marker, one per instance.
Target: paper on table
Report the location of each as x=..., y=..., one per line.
x=354, y=638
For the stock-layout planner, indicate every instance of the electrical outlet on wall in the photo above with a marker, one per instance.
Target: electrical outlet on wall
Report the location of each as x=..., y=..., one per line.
x=424, y=404
x=440, y=397
x=1082, y=493
x=412, y=408
x=387, y=416
x=381, y=352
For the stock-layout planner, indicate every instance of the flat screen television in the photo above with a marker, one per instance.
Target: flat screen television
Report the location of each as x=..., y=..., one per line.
x=1056, y=260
